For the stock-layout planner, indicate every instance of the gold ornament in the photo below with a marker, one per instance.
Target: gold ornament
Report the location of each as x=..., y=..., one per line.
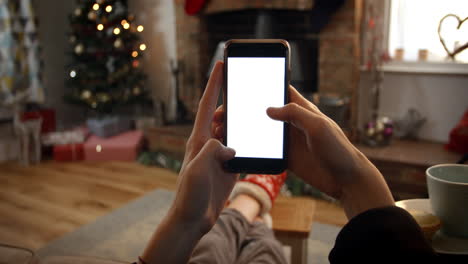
x=92, y=15
x=79, y=49
x=72, y=39
x=86, y=95
x=118, y=43
x=103, y=97
x=136, y=90
x=77, y=12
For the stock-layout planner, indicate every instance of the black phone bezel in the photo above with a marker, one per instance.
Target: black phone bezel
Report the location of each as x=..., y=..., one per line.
x=258, y=48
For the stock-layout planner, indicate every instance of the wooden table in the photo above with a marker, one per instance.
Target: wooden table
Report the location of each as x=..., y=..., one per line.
x=292, y=224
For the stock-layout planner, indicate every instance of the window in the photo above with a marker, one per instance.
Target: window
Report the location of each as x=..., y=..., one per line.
x=414, y=23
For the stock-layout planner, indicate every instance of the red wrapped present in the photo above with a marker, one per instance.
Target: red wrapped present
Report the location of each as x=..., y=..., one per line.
x=123, y=147
x=68, y=152
x=48, y=119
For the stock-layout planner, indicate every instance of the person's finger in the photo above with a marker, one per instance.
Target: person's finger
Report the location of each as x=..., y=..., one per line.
x=294, y=114
x=214, y=150
x=207, y=105
x=219, y=132
x=218, y=115
x=296, y=97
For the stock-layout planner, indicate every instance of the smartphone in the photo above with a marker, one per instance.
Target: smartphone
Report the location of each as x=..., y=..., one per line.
x=256, y=76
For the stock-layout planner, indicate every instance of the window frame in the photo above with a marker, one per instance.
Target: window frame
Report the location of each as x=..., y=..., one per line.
x=419, y=67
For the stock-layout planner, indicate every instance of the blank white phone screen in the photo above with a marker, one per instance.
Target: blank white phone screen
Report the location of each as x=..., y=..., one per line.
x=253, y=85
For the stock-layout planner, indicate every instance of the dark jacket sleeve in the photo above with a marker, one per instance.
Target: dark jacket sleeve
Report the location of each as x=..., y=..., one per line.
x=382, y=235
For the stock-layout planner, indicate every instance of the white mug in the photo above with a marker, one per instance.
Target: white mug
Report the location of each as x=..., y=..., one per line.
x=448, y=193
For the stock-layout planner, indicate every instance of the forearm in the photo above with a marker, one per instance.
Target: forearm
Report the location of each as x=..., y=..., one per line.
x=367, y=190
x=173, y=241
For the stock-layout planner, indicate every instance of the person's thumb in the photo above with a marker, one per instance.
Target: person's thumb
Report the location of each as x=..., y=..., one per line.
x=292, y=113
x=215, y=150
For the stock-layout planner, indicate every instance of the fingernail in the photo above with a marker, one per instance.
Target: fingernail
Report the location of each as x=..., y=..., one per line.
x=227, y=153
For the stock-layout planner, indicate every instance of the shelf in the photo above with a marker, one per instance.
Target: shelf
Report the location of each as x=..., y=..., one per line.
x=448, y=68
x=418, y=153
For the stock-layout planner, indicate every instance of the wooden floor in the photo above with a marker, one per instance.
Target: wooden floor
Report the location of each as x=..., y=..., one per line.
x=43, y=202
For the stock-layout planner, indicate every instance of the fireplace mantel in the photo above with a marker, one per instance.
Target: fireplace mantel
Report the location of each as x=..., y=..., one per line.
x=217, y=6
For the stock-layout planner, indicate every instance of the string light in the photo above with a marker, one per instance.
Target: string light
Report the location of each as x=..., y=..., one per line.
x=140, y=28
x=123, y=22
x=116, y=31
x=108, y=8
x=134, y=54
x=100, y=27
x=98, y=148
x=142, y=47
x=73, y=73
x=126, y=26
x=96, y=7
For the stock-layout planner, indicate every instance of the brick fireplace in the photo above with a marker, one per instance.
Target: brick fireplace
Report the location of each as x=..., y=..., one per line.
x=329, y=57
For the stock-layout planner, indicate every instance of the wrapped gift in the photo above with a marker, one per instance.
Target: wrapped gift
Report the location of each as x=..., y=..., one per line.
x=48, y=119
x=75, y=136
x=68, y=152
x=123, y=147
x=109, y=126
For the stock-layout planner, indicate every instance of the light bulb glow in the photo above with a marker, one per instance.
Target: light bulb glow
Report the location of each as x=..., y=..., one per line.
x=126, y=26
x=73, y=73
x=140, y=28
x=96, y=7
x=98, y=148
x=108, y=8
x=100, y=27
x=134, y=54
x=116, y=31
x=142, y=47
x=123, y=22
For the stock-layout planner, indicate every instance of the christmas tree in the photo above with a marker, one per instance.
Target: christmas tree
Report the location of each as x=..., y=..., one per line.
x=106, y=51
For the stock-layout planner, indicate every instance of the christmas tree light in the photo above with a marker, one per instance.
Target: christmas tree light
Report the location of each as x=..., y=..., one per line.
x=104, y=63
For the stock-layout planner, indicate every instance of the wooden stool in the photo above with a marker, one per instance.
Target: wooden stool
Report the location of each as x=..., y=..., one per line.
x=292, y=223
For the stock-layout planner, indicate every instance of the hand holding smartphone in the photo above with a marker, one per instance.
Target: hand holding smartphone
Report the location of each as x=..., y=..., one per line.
x=256, y=76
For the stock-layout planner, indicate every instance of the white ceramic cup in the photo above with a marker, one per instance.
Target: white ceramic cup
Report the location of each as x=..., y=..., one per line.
x=448, y=193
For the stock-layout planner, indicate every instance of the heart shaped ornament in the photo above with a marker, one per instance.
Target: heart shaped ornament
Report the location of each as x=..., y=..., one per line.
x=455, y=32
